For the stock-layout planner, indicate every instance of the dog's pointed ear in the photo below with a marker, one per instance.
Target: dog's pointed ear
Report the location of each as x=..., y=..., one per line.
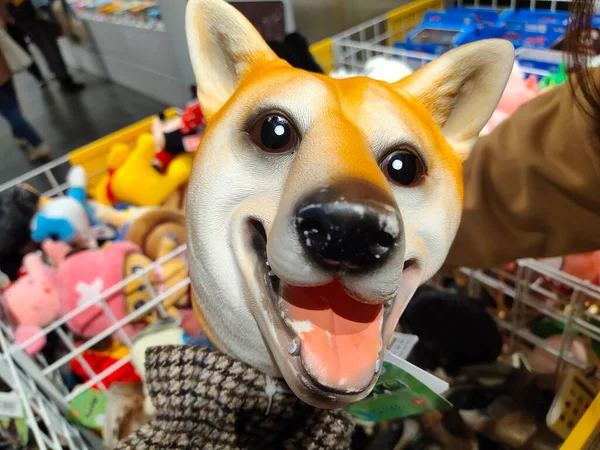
x=462, y=88
x=224, y=47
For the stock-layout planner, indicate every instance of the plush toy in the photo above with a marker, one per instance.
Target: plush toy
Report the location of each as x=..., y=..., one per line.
x=136, y=182
x=178, y=135
x=171, y=272
x=32, y=302
x=84, y=275
x=17, y=208
x=119, y=219
x=148, y=229
x=65, y=218
x=102, y=192
x=387, y=69
x=158, y=232
x=103, y=356
x=295, y=50
x=380, y=68
x=585, y=266
x=315, y=210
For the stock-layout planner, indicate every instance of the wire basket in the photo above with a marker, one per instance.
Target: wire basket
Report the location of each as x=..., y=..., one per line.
x=40, y=386
x=352, y=48
x=534, y=296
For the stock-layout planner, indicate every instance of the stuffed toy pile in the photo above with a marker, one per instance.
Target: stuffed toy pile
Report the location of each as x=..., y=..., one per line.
x=108, y=270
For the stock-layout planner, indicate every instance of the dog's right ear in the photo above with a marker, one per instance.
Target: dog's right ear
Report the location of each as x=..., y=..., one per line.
x=224, y=47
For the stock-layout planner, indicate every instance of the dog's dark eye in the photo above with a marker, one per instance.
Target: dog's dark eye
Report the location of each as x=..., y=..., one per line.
x=403, y=168
x=274, y=133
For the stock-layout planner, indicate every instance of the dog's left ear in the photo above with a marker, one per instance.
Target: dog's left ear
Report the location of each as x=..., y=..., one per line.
x=462, y=88
x=224, y=47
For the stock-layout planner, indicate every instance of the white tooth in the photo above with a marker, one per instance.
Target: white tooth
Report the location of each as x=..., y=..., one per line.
x=271, y=273
x=293, y=347
x=377, y=365
x=268, y=264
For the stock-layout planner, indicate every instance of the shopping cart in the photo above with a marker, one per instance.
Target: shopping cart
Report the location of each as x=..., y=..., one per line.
x=43, y=396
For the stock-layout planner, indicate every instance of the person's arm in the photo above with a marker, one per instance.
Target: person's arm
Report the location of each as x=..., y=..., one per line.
x=532, y=187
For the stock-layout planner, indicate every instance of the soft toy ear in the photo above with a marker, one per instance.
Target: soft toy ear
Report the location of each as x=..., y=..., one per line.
x=157, y=134
x=24, y=332
x=57, y=251
x=34, y=265
x=180, y=169
x=224, y=47
x=461, y=89
x=145, y=149
x=118, y=155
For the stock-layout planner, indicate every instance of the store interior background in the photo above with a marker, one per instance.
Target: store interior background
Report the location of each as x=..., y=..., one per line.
x=68, y=122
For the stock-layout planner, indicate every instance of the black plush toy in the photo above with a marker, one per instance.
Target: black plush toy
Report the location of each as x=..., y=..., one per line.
x=454, y=331
x=294, y=49
x=17, y=207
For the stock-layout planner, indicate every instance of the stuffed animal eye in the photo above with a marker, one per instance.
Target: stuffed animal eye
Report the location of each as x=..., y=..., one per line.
x=274, y=133
x=403, y=168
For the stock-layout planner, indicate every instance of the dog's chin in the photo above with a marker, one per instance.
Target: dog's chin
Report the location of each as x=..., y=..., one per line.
x=328, y=346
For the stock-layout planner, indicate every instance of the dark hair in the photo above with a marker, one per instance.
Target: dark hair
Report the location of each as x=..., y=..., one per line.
x=577, y=58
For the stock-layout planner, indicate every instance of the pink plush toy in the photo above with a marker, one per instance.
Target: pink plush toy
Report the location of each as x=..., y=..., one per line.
x=585, y=266
x=83, y=276
x=32, y=302
x=518, y=91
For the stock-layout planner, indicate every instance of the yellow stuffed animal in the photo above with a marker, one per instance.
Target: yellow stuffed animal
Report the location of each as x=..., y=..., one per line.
x=132, y=179
x=102, y=192
x=138, y=183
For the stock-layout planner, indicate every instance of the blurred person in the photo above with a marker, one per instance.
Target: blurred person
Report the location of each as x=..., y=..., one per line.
x=25, y=135
x=19, y=36
x=38, y=23
x=532, y=186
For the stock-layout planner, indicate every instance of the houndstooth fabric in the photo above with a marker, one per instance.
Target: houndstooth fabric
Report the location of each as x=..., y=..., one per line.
x=207, y=400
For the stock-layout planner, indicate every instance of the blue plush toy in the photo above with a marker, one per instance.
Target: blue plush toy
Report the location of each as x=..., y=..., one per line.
x=65, y=218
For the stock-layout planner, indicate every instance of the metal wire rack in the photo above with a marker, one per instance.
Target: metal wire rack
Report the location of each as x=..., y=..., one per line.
x=40, y=384
x=353, y=47
x=534, y=291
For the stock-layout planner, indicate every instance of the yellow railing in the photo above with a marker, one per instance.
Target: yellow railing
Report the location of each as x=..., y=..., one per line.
x=399, y=23
x=402, y=20
x=323, y=53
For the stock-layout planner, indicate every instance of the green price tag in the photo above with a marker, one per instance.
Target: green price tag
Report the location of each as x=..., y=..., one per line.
x=89, y=409
x=397, y=394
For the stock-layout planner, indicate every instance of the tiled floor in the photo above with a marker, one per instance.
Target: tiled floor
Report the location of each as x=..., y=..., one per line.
x=67, y=122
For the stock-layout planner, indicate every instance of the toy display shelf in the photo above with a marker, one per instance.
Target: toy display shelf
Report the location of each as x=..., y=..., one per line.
x=353, y=47
x=121, y=17
x=35, y=382
x=538, y=290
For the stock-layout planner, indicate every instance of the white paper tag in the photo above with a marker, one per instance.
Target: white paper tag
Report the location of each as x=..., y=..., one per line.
x=402, y=344
x=431, y=381
x=10, y=406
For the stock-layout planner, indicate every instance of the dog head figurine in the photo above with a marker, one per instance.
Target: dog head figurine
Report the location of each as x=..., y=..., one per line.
x=316, y=207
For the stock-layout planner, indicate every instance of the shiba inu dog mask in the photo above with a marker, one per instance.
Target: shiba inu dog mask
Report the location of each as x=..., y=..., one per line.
x=317, y=206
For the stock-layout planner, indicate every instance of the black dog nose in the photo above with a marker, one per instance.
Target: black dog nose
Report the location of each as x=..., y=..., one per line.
x=350, y=226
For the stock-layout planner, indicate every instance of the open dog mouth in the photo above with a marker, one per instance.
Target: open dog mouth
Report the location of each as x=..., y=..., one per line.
x=333, y=342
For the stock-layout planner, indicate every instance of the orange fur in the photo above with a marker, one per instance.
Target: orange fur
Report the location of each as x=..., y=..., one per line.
x=346, y=139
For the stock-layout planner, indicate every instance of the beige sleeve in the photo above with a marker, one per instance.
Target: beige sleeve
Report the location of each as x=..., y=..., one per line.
x=532, y=187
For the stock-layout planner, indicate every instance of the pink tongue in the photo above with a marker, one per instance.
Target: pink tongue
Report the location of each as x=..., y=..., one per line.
x=340, y=338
